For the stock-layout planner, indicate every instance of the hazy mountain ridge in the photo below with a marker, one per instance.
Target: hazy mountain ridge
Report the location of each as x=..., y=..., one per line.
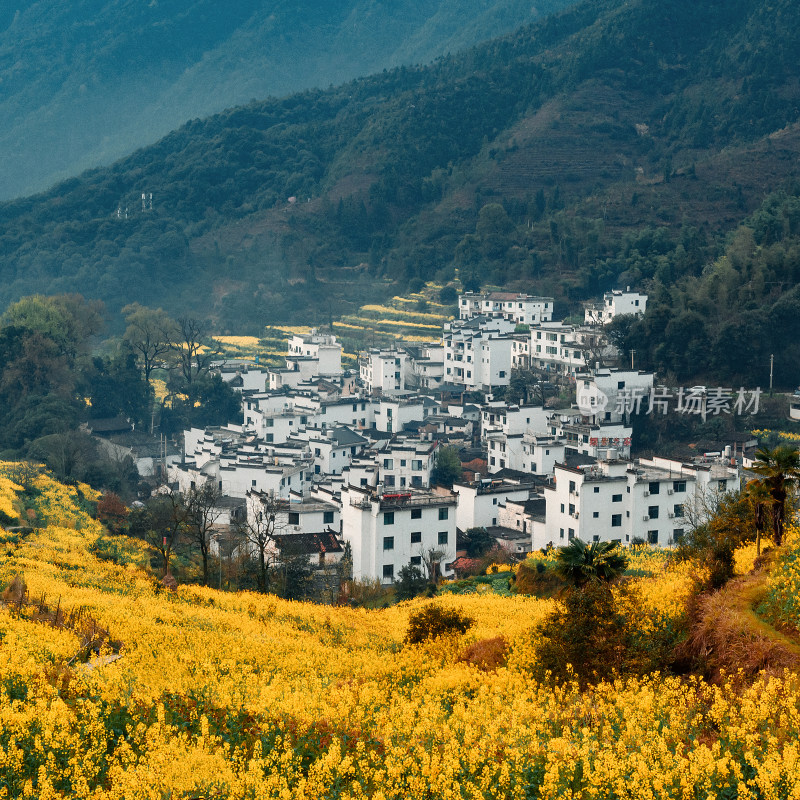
x=86, y=82
x=617, y=147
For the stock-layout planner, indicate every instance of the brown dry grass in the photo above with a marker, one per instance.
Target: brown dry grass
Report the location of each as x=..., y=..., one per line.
x=728, y=638
x=486, y=654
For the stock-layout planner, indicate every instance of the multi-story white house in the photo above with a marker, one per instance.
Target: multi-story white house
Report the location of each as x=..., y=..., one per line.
x=516, y=307
x=479, y=502
x=623, y=500
x=614, y=304
x=477, y=358
x=332, y=449
x=322, y=347
x=556, y=347
x=406, y=463
x=384, y=371
x=388, y=531
x=392, y=414
x=425, y=365
x=613, y=395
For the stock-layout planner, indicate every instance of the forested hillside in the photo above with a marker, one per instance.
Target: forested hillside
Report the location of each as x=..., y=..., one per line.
x=611, y=144
x=85, y=82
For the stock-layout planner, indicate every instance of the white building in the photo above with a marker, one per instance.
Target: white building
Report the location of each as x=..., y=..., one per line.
x=479, y=502
x=392, y=414
x=406, y=463
x=389, y=531
x=555, y=347
x=426, y=365
x=614, y=395
x=477, y=358
x=615, y=304
x=384, y=372
x=516, y=307
x=321, y=347
x=644, y=500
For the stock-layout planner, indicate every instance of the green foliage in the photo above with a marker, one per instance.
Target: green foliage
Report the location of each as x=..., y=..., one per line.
x=599, y=562
x=434, y=621
x=476, y=541
x=447, y=466
x=410, y=583
x=405, y=171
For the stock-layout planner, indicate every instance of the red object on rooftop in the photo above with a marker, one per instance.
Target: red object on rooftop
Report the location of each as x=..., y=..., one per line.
x=397, y=496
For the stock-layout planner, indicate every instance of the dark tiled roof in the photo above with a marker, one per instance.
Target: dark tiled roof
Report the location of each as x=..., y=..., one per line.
x=309, y=543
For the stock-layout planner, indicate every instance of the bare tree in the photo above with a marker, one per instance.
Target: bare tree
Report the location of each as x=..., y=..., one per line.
x=164, y=524
x=193, y=348
x=151, y=333
x=258, y=529
x=432, y=559
x=202, y=512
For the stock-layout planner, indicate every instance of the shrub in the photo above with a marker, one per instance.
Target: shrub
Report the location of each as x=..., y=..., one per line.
x=434, y=621
x=486, y=654
x=586, y=638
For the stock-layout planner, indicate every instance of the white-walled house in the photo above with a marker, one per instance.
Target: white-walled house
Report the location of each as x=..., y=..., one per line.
x=623, y=500
x=392, y=414
x=384, y=372
x=322, y=347
x=425, y=365
x=389, y=531
x=612, y=395
x=479, y=501
x=402, y=464
x=514, y=306
x=614, y=304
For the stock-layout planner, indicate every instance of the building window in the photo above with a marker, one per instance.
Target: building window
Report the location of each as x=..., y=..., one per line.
x=654, y=487
x=388, y=542
x=677, y=509
x=388, y=518
x=616, y=498
x=416, y=465
x=572, y=486
x=388, y=463
x=652, y=512
x=294, y=518
x=416, y=537
x=443, y=513
x=416, y=561
x=597, y=490
x=442, y=537
x=416, y=513
x=616, y=520
x=388, y=572
x=562, y=508
x=652, y=537
x=677, y=534
x=571, y=534
x=572, y=508
x=388, y=480
x=595, y=514
x=327, y=517
x=252, y=483
x=678, y=486
x=560, y=533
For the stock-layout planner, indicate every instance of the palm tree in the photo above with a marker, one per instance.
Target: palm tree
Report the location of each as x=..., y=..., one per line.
x=599, y=562
x=757, y=494
x=779, y=469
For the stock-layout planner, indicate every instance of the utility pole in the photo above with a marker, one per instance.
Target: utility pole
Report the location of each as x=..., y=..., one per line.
x=771, y=364
x=633, y=352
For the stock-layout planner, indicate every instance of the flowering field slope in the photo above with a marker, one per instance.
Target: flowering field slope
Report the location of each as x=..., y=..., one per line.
x=245, y=696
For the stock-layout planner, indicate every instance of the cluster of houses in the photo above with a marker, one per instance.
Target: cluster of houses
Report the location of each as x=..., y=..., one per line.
x=341, y=458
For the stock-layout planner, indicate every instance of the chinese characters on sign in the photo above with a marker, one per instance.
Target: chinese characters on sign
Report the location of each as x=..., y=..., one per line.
x=596, y=441
x=696, y=400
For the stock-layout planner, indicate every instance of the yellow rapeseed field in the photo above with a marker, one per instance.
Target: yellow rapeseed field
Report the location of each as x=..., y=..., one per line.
x=245, y=696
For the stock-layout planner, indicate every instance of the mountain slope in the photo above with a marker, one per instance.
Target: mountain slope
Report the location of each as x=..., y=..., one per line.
x=88, y=81
x=614, y=142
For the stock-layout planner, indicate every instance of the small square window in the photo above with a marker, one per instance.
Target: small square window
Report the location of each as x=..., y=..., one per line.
x=388, y=518
x=388, y=572
x=616, y=498
x=327, y=517
x=416, y=537
x=416, y=513
x=416, y=561
x=616, y=520
x=597, y=490
x=652, y=537
x=442, y=537
x=444, y=513
x=388, y=542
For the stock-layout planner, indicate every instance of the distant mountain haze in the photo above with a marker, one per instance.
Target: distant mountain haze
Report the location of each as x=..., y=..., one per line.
x=613, y=143
x=84, y=82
